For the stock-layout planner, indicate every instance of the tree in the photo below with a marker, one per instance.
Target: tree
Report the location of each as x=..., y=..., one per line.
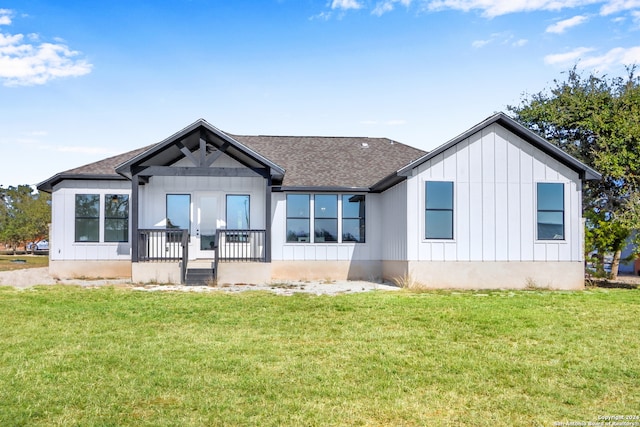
x=597, y=120
x=24, y=215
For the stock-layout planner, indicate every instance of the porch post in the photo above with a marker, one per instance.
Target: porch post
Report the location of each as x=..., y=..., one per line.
x=267, y=234
x=135, y=238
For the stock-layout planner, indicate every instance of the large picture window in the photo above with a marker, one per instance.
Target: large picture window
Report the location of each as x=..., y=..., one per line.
x=116, y=218
x=179, y=211
x=439, y=210
x=550, y=211
x=353, y=223
x=87, y=227
x=298, y=223
x=325, y=218
x=329, y=211
x=238, y=212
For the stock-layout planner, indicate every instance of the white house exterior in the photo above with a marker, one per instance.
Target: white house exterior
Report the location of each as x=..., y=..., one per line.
x=496, y=207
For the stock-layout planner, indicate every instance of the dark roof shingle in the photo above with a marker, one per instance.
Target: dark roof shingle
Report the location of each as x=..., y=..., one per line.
x=309, y=161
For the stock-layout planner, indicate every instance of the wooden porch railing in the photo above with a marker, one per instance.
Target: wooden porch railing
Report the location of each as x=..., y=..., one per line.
x=162, y=245
x=241, y=245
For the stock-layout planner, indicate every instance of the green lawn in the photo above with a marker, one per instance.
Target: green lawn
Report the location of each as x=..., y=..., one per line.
x=18, y=262
x=116, y=357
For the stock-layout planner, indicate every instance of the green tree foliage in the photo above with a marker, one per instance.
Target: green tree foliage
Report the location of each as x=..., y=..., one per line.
x=597, y=120
x=24, y=215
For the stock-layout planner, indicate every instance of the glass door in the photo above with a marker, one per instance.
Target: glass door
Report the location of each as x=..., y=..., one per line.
x=205, y=225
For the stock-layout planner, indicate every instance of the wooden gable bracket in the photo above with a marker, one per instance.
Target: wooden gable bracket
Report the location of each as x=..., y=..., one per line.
x=188, y=154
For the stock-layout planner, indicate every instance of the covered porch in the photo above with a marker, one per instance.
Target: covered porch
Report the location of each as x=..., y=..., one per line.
x=200, y=202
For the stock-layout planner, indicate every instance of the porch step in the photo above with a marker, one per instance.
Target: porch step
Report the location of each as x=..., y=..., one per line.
x=199, y=276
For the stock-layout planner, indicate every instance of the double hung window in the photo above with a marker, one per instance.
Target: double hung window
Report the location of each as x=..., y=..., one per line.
x=114, y=219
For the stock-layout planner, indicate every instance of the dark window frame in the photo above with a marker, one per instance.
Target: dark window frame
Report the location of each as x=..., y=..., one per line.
x=124, y=219
x=226, y=210
x=427, y=210
x=322, y=219
x=362, y=219
x=86, y=217
x=561, y=211
x=308, y=218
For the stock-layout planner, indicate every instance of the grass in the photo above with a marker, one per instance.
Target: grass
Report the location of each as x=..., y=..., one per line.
x=116, y=357
x=7, y=262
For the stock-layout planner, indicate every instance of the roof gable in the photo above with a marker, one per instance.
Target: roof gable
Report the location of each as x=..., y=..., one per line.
x=585, y=172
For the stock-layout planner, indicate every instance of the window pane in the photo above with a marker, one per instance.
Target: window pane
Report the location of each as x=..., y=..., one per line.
x=439, y=195
x=238, y=212
x=352, y=206
x=326, y=230
x=116, y=218
x=326, y=206
x=550, y=196
x=178, y=211
x=87, y=230
x=551, y=225
x=116, y=230
x=353, y=218
x=439, y=224
x=297, y=205
x=353, y=230
x=297, y=230
x=87, y=223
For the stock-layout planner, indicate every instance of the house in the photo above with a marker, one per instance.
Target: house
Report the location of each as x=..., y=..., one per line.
x=496, y=207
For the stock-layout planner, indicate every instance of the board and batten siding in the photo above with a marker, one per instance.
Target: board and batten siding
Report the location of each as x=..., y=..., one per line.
x=330, y=251
x=62, y=245
x=394, y=231
x=495, y=174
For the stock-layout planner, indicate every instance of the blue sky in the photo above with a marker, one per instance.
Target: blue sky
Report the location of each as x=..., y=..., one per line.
x=80, y=81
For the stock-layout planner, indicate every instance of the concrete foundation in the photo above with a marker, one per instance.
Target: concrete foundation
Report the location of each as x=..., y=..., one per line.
x=90, y=269
x=244, y=272
x=155, y=272
x=489, y=275
x=326, y=270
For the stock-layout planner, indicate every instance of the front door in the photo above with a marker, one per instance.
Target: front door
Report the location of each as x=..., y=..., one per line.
x=205, y=224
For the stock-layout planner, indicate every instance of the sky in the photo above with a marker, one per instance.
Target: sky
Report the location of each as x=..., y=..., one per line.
x=83, y=80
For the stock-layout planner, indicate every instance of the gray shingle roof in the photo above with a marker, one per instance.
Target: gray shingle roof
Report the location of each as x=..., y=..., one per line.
x=321, y=162
x=311, y=161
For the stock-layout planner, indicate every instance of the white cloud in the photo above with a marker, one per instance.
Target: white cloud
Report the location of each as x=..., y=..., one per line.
x=562, y=26
x=5, y=16
x=480, y=43
x=385, y=6
x=614, y=57
x=568, y=57
x=397, y=122
x=27, y=63
x=493, y=8
x=504, y=38
x=345, y=4
x=615, y=6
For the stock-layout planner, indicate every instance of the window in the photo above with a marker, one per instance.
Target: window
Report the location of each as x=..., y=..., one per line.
x=550, y=211
x=353, y=218
x=179, y=211
x=87, y=217
x=116, y=218
x=326, y=218
x=439, y=210
x=298, y=223
x=329, y=211
x=237, y=212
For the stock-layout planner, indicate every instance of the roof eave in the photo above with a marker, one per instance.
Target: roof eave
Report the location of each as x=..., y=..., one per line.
x=47, y=185
x=586, y=172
